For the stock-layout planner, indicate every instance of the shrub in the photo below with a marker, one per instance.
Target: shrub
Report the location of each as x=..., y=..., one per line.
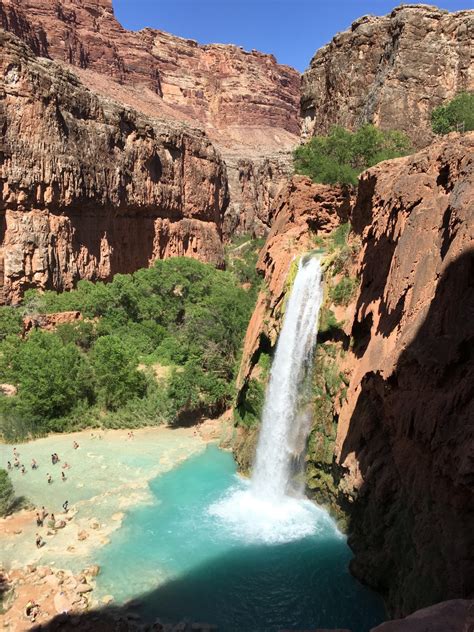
x=456, y=115
x=344, y=290
x=11, y=323
x=52, y=377
x=341, y=156
x=7, y=495
x=115, y=369
x=249, y=409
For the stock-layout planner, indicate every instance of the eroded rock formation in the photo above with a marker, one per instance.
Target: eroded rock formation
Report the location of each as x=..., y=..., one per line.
x=405, y=436
x=391, y=71
x=300, y=212
x=247, y=103
x=90, y=187
x=403, y=459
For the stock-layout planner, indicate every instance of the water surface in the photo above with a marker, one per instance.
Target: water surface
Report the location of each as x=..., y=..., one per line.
x=186, y=561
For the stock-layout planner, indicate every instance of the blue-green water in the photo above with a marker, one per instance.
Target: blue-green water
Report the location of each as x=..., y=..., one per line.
x=182, y=561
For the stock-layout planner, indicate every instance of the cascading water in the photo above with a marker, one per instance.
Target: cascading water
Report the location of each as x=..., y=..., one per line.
x=269, y=507
x=285, y=425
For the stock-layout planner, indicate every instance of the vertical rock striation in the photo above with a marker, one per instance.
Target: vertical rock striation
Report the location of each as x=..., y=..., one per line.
x=405, y=438
x=247, y=103
x=390, y=71
x=90, y=187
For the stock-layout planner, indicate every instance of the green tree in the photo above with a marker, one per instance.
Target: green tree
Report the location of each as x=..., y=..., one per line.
x=7, y=495
x=341, y=156
x=11, y=322
x=116, y=374
x=52, y=378
x=456, y=115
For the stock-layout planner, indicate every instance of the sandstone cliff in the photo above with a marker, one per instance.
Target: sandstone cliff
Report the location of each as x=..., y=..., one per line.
x=247, y=103
x=91, y=188
x=405, y=435
x=400, y=424
x=391, y=71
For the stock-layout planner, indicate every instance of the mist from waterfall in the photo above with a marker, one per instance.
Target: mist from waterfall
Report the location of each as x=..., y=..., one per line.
x=271, y=507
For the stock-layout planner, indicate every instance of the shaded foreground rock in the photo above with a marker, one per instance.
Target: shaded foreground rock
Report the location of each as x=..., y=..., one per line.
x=390, y=71
x=405, y=435
x=92, y=188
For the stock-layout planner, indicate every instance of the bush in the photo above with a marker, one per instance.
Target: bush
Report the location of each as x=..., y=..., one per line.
x=344, y=290
x=341, y=156
x=115, y=369
x=52, y=377
x=456, y=115
x=11, y=323
x=249, y=409
x=7, y=495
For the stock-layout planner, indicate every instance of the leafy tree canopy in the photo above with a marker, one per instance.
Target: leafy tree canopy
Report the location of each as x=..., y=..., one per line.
x=456, y=115
x=341, y=156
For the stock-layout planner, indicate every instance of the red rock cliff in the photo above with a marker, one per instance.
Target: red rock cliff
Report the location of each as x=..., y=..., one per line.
x=391, y=71
x=247, y=103
x=90, y=187
x=403, y=457
x=405, y=437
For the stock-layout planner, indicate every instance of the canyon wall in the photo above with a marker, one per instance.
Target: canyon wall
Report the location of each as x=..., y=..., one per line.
x=390, y=71
x=246, y=102
x=91, y=187
x=391, y=449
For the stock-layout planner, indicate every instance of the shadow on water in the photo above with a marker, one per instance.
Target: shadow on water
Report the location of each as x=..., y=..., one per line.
x=255, y=589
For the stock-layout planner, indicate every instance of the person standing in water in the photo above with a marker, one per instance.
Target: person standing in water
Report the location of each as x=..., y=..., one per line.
x=50, y=479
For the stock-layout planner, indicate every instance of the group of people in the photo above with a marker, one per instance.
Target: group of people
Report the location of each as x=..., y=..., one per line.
x=34, y=464
x=43, y=514
x=51, y=523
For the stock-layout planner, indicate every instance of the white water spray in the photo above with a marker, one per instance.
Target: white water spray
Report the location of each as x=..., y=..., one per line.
x=269, y=508
x=285, y=426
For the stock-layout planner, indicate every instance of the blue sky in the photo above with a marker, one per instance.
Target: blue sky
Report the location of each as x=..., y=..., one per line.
x=290, y=29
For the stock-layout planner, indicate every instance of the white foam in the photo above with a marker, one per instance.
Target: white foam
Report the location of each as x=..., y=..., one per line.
x=255, y=520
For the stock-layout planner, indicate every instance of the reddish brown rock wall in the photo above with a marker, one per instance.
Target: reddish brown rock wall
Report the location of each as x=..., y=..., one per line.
x=243, y=98
x=91, y=188
x=391, y=71
x=405, y=438
x=301, y=210
x=404, y=451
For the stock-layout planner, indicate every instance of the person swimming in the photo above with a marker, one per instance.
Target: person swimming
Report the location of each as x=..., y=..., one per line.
x=23, y=470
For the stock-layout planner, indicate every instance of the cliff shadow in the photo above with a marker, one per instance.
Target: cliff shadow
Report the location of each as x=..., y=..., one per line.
x=412, y=434
x=253, y=588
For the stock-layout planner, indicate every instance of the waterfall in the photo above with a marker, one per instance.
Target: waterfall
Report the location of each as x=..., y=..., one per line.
x=269, y=508
x=285, y=423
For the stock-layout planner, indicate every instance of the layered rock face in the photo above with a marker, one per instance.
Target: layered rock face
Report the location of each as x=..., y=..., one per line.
x=391, y=71
x=405, y=435
x=300, y=212
x=91, y=188
x=247, y=103
x=403, y=460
